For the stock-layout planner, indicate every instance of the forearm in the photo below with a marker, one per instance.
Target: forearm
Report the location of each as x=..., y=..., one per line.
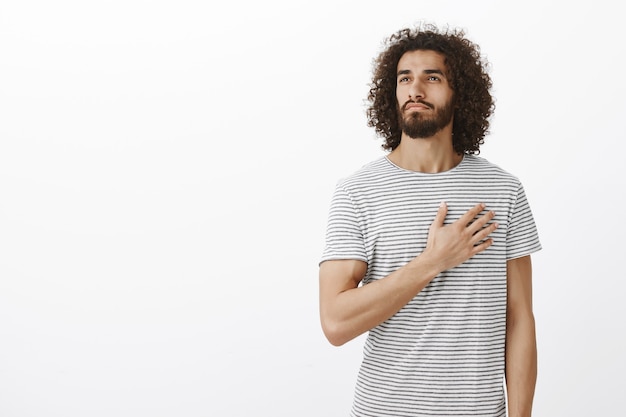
x=348, y=310
x=355, y=311
x=521, y=364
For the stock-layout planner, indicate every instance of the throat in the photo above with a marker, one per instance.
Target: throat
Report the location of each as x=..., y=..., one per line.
x=421, y=156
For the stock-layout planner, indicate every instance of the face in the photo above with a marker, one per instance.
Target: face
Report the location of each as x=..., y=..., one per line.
x=425, y=98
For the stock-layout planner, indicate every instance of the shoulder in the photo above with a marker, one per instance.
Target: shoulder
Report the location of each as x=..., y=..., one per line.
x=368, y=175
x=478, y=166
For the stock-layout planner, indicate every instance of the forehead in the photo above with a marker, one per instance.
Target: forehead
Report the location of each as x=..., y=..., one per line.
x=422, y=59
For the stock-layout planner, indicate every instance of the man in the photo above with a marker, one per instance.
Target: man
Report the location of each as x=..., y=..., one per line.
x=428, y=248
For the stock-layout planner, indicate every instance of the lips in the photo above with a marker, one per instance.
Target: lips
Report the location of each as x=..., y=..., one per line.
x=420, y=105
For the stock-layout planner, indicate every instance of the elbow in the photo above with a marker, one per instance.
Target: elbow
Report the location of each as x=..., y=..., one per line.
x=516, y=316
x=336, y=339
x=335, y=333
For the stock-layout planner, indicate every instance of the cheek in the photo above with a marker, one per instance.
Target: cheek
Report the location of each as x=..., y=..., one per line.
x=400, y=97
x=400, y=92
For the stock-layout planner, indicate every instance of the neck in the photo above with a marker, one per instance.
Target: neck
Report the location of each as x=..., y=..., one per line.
x=429, y=155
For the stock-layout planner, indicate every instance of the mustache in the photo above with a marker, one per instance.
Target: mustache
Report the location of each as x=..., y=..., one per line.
x=425, y=103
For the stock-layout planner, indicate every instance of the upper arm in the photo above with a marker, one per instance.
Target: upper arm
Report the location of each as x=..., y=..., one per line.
x=519, y=285
x=337, y=276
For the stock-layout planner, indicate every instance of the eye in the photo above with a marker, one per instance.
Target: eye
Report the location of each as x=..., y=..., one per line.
x=433, y=78
x=403, y=79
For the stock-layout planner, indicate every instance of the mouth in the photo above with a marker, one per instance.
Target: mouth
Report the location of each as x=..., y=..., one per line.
x=417, y=106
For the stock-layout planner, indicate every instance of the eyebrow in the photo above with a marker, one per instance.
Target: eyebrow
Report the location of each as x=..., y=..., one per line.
x=427, y=71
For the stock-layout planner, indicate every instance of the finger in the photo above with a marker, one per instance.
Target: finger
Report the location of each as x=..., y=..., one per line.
x=480, y=222
x=471, y=214
x=442, y=211
x=484, y=232
x=482, y=246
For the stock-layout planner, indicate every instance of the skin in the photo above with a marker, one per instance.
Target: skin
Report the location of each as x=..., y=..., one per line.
x=348, y=310
x=521, y=344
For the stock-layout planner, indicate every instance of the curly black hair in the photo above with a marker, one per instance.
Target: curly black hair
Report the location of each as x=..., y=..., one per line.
x=469, y=80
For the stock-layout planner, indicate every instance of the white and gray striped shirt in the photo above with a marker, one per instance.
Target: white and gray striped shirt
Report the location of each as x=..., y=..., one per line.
x=443, y=353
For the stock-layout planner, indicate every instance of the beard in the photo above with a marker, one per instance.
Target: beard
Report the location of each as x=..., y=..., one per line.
x=416, y=125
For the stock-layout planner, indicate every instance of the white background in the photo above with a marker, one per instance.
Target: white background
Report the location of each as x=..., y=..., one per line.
x=165, y=174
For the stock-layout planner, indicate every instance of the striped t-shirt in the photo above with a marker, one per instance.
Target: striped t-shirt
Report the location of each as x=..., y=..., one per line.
x=443, y=353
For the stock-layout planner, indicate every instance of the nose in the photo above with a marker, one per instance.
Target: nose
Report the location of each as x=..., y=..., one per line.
x=415, y=90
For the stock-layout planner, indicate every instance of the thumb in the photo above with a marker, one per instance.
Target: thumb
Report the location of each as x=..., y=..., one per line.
x=441, y=214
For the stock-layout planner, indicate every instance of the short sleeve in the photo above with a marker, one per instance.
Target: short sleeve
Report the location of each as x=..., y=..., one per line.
x=344, y=235
x=522, y=235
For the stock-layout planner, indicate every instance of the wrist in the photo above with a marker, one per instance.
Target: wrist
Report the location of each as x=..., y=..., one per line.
x=424, y=265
